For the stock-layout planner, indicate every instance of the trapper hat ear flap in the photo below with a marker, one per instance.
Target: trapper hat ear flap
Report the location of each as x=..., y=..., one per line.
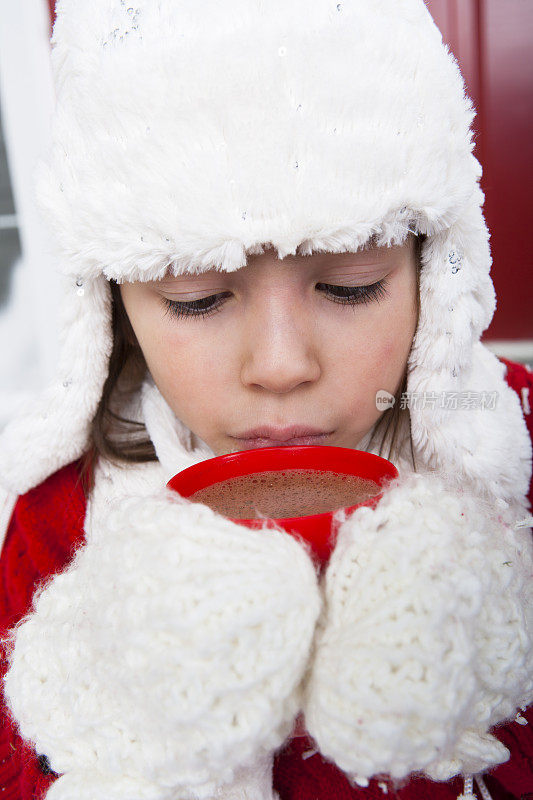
x=465, y=420
x=54, y=429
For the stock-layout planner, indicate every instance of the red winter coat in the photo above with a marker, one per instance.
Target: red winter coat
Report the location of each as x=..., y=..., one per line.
x=45, y=529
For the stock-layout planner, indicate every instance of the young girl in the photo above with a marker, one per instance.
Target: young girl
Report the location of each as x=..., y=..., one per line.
x=269, y=219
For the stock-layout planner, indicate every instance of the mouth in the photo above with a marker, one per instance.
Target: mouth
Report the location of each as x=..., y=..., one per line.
x=281, y=437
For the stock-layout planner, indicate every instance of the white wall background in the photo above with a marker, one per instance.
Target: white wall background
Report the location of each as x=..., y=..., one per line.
x=28, y=322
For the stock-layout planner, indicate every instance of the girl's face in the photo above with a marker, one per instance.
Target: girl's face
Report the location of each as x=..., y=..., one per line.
x=306, y=341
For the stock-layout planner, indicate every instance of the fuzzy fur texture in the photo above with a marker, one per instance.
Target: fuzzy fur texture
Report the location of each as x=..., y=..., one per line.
x=424, y=643
x=189, y=141
x=53, y=429
x=180, y=668
x=244, y=126
x=7, y=504
x=426, y=639
x=217, y=145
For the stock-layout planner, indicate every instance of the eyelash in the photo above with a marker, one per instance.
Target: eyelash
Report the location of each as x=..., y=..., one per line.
x=347, y=295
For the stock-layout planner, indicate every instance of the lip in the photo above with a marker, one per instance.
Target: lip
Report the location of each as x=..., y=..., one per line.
x=281, y=437
x=252, y=444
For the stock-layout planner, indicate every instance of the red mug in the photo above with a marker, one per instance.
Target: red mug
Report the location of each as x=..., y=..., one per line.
x=315, y=529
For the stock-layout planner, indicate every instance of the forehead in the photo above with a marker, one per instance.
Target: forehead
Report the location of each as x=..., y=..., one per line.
x=368, y=253
x=366, y=259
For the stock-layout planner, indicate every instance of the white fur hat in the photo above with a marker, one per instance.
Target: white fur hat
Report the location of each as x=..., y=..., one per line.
x=194, y=135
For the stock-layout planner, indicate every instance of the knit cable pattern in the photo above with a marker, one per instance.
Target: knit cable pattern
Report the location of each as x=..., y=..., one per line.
x=425, y=640
x=168, y=677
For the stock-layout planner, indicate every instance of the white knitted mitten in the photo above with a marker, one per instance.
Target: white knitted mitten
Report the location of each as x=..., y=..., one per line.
x=166, y=662
x=425, y=639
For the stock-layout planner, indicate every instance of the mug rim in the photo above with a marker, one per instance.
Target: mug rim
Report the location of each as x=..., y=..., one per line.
x=379, y=470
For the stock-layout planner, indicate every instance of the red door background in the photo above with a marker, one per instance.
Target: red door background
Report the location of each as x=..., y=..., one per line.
x=492, y=41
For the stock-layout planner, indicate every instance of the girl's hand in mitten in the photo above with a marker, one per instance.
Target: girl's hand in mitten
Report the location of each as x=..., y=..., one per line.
x=425, y=640
x=166, y=662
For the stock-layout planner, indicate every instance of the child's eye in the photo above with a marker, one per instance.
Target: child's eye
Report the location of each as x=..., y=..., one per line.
x=195, y=308
x=354, y=295
x=346, y=295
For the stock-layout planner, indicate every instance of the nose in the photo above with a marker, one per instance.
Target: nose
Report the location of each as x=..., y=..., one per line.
x=280, y=346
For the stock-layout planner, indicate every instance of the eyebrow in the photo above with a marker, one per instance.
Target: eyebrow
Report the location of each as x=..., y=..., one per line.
x=370, y=255
x=355, y=259
x=191, y=281
x=371, y=258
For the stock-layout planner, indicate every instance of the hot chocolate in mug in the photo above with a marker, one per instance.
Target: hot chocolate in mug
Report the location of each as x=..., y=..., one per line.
x=298, y=488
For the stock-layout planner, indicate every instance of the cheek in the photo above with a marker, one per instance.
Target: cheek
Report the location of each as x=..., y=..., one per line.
x=185, y=360
x=396, y=331
x=190, y=368
x=392, y=351
x=391, y=360
x=378, y=353
x=380, y=365
x=395, y=344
